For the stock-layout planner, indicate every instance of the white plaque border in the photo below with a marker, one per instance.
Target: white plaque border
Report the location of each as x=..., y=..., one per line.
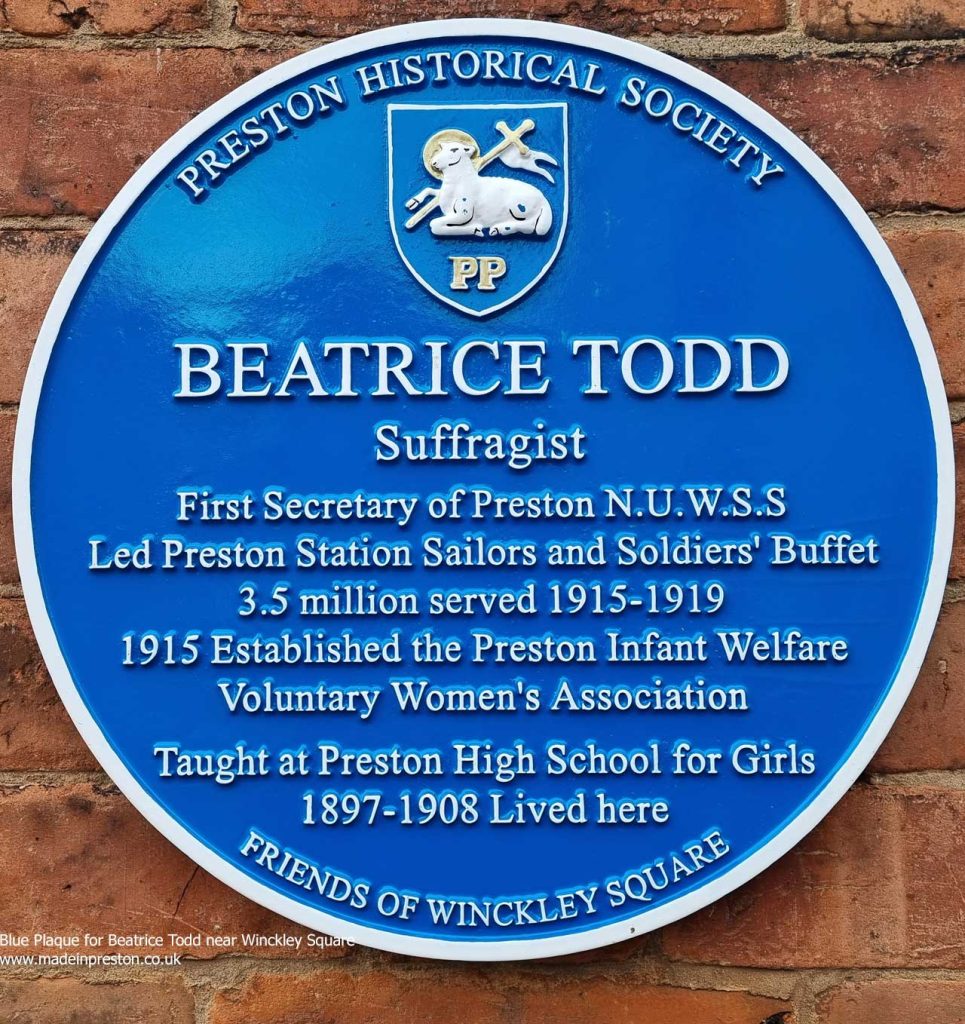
x=510, y=949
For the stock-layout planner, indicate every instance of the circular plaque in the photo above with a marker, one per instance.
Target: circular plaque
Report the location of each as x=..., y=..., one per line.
x=483, y=489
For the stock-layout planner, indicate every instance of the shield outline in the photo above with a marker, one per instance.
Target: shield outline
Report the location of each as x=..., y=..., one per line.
x=564, y=215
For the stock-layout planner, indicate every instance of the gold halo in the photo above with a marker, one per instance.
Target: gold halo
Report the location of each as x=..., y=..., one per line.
x=446, y=135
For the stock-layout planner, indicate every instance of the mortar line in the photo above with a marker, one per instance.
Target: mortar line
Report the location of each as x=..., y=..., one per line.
x=937, y=220
x=20, y=779
x=35, y=222
x=950, y=780
x=788, y=44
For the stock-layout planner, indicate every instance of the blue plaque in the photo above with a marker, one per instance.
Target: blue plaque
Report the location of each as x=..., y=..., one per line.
x=483, y=489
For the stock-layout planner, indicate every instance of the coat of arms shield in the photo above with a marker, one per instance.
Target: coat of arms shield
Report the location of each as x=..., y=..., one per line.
x=478, y=197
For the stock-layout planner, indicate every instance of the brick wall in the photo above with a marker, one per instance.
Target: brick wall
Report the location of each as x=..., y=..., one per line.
x=863, y=924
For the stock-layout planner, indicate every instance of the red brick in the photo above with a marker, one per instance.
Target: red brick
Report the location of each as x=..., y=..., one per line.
x=622, y=1001
x=31, y=266
x=35, y=730
x=63, y=1000
x=934, y=263
x=891, y=132
x=845, y=20
x=480, y=995
x=618, y=952
x=928, y=734
x=876, y=885
x=956, y=570
x=894, y=1002
x=8, y=557
x=78, y=124
x=636, y=17
x=112, y=17
x=91, y=864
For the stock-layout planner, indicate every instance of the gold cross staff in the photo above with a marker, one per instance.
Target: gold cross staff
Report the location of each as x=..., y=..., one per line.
x=510, y=136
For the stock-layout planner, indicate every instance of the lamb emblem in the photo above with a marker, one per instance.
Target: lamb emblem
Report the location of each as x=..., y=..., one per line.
x=471, y=203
